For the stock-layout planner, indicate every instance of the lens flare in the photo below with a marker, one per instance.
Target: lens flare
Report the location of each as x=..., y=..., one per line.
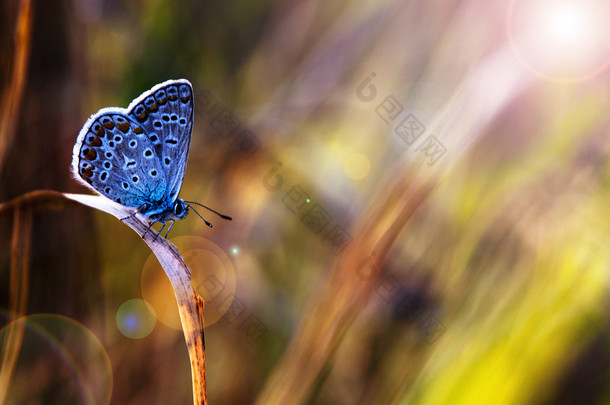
x=563, y=40
x=62, y=356
x=136, y=318
x=212, y=274
x=568, y=25
x=357, y=166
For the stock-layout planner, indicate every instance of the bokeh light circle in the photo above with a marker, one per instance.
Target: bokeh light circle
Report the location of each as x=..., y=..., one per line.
x=357, y=166
x=58, y=355
x=213, y=277
x=560, y=40
x=136, y=318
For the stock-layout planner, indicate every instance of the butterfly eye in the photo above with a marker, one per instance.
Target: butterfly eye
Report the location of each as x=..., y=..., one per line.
x=125, y=185
x=133, y=144
x=103, y=177
x=157, y=124
x=109, y=155
x=148, y=153
x=107, y=165
x=182, y=121
x=135, y=179
x=165, y=118
x=174, y=117
x=153, y=173
x=178, y=208
x=167, y=161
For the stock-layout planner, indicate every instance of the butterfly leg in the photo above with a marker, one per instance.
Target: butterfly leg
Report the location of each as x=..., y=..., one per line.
x=170, y=228
x=148, y=229
x=140, y=210
x=129, y=216
x=160, y=230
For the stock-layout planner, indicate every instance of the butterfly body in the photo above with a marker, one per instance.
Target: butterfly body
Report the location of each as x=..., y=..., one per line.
x=136, y=156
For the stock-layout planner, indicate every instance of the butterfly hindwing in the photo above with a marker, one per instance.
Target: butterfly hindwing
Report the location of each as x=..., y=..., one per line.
x=115, y=156
x=166, y=114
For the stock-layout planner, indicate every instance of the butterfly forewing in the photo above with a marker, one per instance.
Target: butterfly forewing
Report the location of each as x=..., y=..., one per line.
x=117, y=158
x=166, y=115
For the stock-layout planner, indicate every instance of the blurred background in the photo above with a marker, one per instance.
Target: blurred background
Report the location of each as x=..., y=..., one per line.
x=419, y=193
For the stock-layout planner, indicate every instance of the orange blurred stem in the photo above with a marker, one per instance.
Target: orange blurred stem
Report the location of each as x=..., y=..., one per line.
x=190, y=304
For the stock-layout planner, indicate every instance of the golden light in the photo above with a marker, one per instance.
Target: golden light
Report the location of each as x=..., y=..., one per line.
x=357, y=166
x=563, y=40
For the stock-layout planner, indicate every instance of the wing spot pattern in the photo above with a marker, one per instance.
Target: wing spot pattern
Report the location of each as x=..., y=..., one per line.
x=94, y=140
x=88, y=153
x=151, y=104
x=107, y=122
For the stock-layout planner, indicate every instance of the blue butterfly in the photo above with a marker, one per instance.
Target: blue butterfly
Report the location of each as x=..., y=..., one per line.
x=137, y=156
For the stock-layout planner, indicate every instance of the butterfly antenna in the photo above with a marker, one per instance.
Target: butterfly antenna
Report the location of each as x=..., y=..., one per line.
x=202, y=218
x=228, y=218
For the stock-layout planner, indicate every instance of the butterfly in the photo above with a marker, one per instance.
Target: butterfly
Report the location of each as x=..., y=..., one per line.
x=137, y=156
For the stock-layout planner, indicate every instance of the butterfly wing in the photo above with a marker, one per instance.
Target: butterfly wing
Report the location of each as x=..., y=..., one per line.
x=165, y=112
x=114, y=155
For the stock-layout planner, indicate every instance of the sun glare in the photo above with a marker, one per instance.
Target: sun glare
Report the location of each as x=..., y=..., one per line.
x=564, y=40
x=568, y=24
